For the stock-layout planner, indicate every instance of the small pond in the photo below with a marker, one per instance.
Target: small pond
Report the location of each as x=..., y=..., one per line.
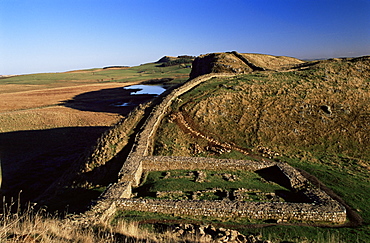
x=146, y=89
x=141, y=89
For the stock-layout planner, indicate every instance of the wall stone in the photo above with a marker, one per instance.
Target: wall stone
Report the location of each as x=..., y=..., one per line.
x=237, y=209
x=159, y=163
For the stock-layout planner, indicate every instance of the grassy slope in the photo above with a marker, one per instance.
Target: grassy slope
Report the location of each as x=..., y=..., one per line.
x=317, y=118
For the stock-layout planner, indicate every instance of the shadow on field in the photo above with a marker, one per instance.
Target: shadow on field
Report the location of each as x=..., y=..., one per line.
x=33, y=160
x=108, y=100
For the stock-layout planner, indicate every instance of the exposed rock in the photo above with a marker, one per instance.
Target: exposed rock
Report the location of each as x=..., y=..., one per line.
x=229, y=177
x=208, y=233
x=200, y=176
x=167, y=175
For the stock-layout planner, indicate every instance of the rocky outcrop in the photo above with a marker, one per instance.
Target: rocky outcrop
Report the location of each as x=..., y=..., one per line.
x=218, y=63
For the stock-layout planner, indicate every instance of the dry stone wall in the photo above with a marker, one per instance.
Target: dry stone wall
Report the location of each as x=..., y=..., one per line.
x=159, y=163
x=236, y=209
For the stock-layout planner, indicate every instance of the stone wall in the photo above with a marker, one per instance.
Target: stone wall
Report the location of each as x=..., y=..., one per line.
x=113, y=140
x=160, y=163
x=237, y=209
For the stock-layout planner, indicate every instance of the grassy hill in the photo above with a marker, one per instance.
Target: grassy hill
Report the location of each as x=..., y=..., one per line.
x=314, y=115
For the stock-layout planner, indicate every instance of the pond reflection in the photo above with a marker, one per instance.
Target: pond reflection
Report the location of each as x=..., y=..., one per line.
x=140, y=89
x=146, y=89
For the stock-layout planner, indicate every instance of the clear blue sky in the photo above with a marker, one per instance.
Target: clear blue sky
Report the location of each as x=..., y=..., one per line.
x=60, y=35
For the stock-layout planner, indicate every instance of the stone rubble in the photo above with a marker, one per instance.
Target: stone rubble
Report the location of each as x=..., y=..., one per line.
x=208, y=233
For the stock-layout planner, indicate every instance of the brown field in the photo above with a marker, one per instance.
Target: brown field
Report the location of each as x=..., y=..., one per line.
x=44, y=108
x=44, y=129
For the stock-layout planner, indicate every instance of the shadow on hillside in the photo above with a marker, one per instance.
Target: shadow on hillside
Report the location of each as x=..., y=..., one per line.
x=33, y=160
x=108, y=100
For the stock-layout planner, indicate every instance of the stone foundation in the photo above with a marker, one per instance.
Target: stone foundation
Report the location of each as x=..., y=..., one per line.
x=236, y=209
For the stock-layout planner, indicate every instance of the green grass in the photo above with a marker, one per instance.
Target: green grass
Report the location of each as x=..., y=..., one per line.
x=309, y=234
x=134, y=216
x=278, y=233
x=138, y=73
x=352, y=185
x=183, y=180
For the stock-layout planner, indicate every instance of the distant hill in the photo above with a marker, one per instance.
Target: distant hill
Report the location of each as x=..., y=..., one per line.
x=234, y=62
x=171, y=61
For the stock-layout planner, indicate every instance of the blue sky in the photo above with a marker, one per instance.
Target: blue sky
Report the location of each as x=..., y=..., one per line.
x=60, y=35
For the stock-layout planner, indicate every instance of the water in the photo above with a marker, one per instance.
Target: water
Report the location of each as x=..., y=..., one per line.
x=146, y=89
x=140, y=89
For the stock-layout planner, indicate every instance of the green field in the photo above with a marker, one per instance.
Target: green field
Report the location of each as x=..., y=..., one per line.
x=137, y=73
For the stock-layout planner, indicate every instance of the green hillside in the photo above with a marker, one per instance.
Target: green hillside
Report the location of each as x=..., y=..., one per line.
x=314, y=116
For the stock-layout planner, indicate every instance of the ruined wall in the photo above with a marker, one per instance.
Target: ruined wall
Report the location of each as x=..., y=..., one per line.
x=237, y=209
x=113, y=140
x=321, y=208
x=160, y=163
x=132, y=169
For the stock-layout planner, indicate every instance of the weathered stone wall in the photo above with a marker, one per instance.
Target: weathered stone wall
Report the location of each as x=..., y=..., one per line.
x=237, y=209
x=113, y=140
x=297, y=180
x=159, y=163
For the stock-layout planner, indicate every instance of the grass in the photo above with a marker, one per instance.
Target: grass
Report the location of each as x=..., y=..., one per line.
x=284, y=111
x=245, y=226
x=185, y=180
x=31, y=226
x=138, y=73
x=279, y=110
